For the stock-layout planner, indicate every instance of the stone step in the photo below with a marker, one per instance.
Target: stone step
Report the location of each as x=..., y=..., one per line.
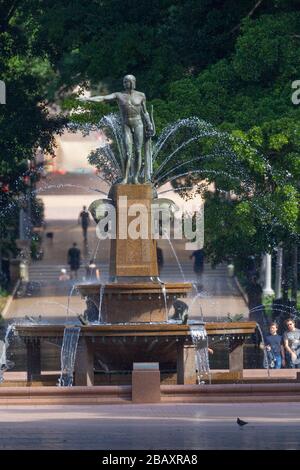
x=49, y=272
x=105, y=275
x=114, y=394
x=173, y=268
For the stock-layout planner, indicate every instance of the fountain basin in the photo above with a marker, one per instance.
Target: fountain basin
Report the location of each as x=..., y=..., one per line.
x=142, y=302
x=118, y=346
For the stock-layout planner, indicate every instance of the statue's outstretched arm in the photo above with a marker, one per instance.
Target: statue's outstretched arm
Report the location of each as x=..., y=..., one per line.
x=99, y=99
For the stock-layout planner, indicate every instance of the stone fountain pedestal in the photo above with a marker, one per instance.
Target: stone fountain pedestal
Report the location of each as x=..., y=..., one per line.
x=133, y=257
x=136, y=295
x=143, y=302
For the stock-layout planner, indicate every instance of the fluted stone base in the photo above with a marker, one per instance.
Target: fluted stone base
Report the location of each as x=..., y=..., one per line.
x=131, y=303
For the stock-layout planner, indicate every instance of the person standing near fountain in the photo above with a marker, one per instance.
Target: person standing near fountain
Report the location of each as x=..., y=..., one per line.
x=136, y=123
x=92, y=272
x=74, y=260
x=291, y=340
x=84, y=217
x=198, y=256
x=274, y=348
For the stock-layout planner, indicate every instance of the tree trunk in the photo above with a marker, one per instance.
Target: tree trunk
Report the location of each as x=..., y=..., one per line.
x=285, y=275
x=294, y=272
x=278, y=273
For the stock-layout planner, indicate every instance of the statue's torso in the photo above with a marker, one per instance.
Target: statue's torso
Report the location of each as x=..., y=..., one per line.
x=130, y=106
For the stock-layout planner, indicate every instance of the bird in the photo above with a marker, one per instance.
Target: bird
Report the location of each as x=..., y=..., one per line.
x=240, y=422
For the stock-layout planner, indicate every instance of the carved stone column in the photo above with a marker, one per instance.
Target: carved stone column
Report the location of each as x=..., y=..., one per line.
x=133, y=257
x=84, y=363
x=186, y=366
x=33, y=347
x=236, y=354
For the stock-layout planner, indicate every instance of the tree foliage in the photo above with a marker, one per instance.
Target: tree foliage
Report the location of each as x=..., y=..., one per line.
x=25, y=123
x=249, y=95
x=226, y=62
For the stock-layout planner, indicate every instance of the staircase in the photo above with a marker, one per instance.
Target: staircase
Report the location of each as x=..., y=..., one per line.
x=49, y=272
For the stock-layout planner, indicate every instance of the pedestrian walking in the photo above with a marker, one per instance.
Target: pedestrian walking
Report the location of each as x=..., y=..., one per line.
x=198, y=256
x=254, y=292
x=84, y=219
x=74, y=260
x=92, y=272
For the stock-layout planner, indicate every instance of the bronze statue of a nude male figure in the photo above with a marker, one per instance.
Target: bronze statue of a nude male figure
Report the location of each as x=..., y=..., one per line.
x=136, y=123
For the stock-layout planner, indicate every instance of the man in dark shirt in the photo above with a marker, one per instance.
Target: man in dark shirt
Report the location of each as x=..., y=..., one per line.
x=85, y=221
x=198, y=256
x=274, y=348
x=74, y=260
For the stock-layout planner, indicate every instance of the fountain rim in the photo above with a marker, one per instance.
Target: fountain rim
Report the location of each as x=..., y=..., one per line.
x=135, y=287
x=161, y=329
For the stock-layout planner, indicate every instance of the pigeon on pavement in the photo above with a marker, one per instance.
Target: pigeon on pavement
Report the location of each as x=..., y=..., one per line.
x=240, y=422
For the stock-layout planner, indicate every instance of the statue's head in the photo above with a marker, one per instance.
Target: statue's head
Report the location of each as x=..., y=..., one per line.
x=129, y=82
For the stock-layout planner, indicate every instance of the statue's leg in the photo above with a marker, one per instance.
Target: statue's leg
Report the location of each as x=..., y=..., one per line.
x=138, y=138
x=128, y=149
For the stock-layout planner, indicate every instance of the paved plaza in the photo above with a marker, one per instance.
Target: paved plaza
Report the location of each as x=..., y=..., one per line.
x=151, y=427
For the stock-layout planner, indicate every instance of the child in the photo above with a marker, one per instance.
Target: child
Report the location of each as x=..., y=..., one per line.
x=63, y=275
x=274, y=348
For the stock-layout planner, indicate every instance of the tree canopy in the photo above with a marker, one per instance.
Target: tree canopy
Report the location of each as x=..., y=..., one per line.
x=229, y=63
